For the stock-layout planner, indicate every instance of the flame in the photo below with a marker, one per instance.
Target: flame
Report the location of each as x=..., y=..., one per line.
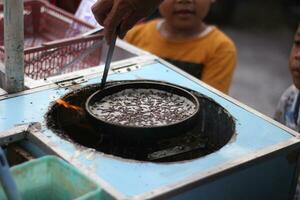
x=67, y=105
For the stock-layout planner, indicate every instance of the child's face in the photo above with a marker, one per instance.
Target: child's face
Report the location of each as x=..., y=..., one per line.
x=294, y=62
x=185, y=14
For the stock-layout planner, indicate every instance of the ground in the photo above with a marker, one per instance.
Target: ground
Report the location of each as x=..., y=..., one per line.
x=262, y=69
x=263, y=35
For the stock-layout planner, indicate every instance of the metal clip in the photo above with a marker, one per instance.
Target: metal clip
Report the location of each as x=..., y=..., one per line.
x=71, y=82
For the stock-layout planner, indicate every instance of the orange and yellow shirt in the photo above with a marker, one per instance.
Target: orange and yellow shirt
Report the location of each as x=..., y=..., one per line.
x=210, y=57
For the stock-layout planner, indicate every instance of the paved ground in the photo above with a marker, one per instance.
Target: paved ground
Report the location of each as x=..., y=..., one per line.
x=262, y=74
x=263, y=39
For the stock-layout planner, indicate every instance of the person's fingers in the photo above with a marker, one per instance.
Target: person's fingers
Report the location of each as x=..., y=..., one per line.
x=101, y=9
x=113, y=19
x=112, y=13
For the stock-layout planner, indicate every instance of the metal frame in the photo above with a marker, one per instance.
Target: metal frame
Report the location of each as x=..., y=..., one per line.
x=14, y=46
x=227, y=168
x=32, y=133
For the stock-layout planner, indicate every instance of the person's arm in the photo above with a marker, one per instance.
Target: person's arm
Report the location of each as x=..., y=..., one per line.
x=218, y=70
x=111, y=13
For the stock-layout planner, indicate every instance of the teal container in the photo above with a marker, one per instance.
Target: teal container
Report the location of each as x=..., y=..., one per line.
x=51, y=178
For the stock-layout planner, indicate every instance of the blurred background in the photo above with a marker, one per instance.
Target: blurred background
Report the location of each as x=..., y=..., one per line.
x=263, y=33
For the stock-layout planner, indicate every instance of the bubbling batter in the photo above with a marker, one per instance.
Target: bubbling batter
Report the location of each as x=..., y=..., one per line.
x=143, y=107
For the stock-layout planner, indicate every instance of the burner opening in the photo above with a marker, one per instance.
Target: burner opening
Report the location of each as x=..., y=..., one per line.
x=143, y=111
x=213, y=129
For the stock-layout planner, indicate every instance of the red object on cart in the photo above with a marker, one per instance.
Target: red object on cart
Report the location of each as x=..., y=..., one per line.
x=53, y=41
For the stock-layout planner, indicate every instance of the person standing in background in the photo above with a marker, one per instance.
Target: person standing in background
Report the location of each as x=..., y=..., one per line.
x=183, y=39
x=288, y=108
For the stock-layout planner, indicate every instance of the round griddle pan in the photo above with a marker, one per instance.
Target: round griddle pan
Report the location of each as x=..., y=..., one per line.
x=143, y=134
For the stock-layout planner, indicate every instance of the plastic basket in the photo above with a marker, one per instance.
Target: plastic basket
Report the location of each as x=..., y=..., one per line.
x=52, y=40
x=50, y=178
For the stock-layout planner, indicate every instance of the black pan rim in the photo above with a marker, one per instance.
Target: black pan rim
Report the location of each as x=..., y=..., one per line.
x=166, y=84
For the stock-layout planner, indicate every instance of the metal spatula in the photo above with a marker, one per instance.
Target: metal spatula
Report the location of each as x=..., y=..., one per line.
x=108, y=58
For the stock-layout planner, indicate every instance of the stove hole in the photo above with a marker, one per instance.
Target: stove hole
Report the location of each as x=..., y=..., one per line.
x=214, y=129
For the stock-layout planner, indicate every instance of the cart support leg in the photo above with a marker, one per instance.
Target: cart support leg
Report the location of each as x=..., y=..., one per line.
x=14, y=45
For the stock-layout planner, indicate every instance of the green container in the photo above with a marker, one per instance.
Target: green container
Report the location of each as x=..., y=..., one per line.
x=51, y=178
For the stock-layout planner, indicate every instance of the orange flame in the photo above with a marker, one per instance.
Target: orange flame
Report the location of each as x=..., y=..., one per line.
x=67, y=105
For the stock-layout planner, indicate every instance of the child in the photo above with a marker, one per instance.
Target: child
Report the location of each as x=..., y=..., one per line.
x=183, y=39
x=288, y=110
